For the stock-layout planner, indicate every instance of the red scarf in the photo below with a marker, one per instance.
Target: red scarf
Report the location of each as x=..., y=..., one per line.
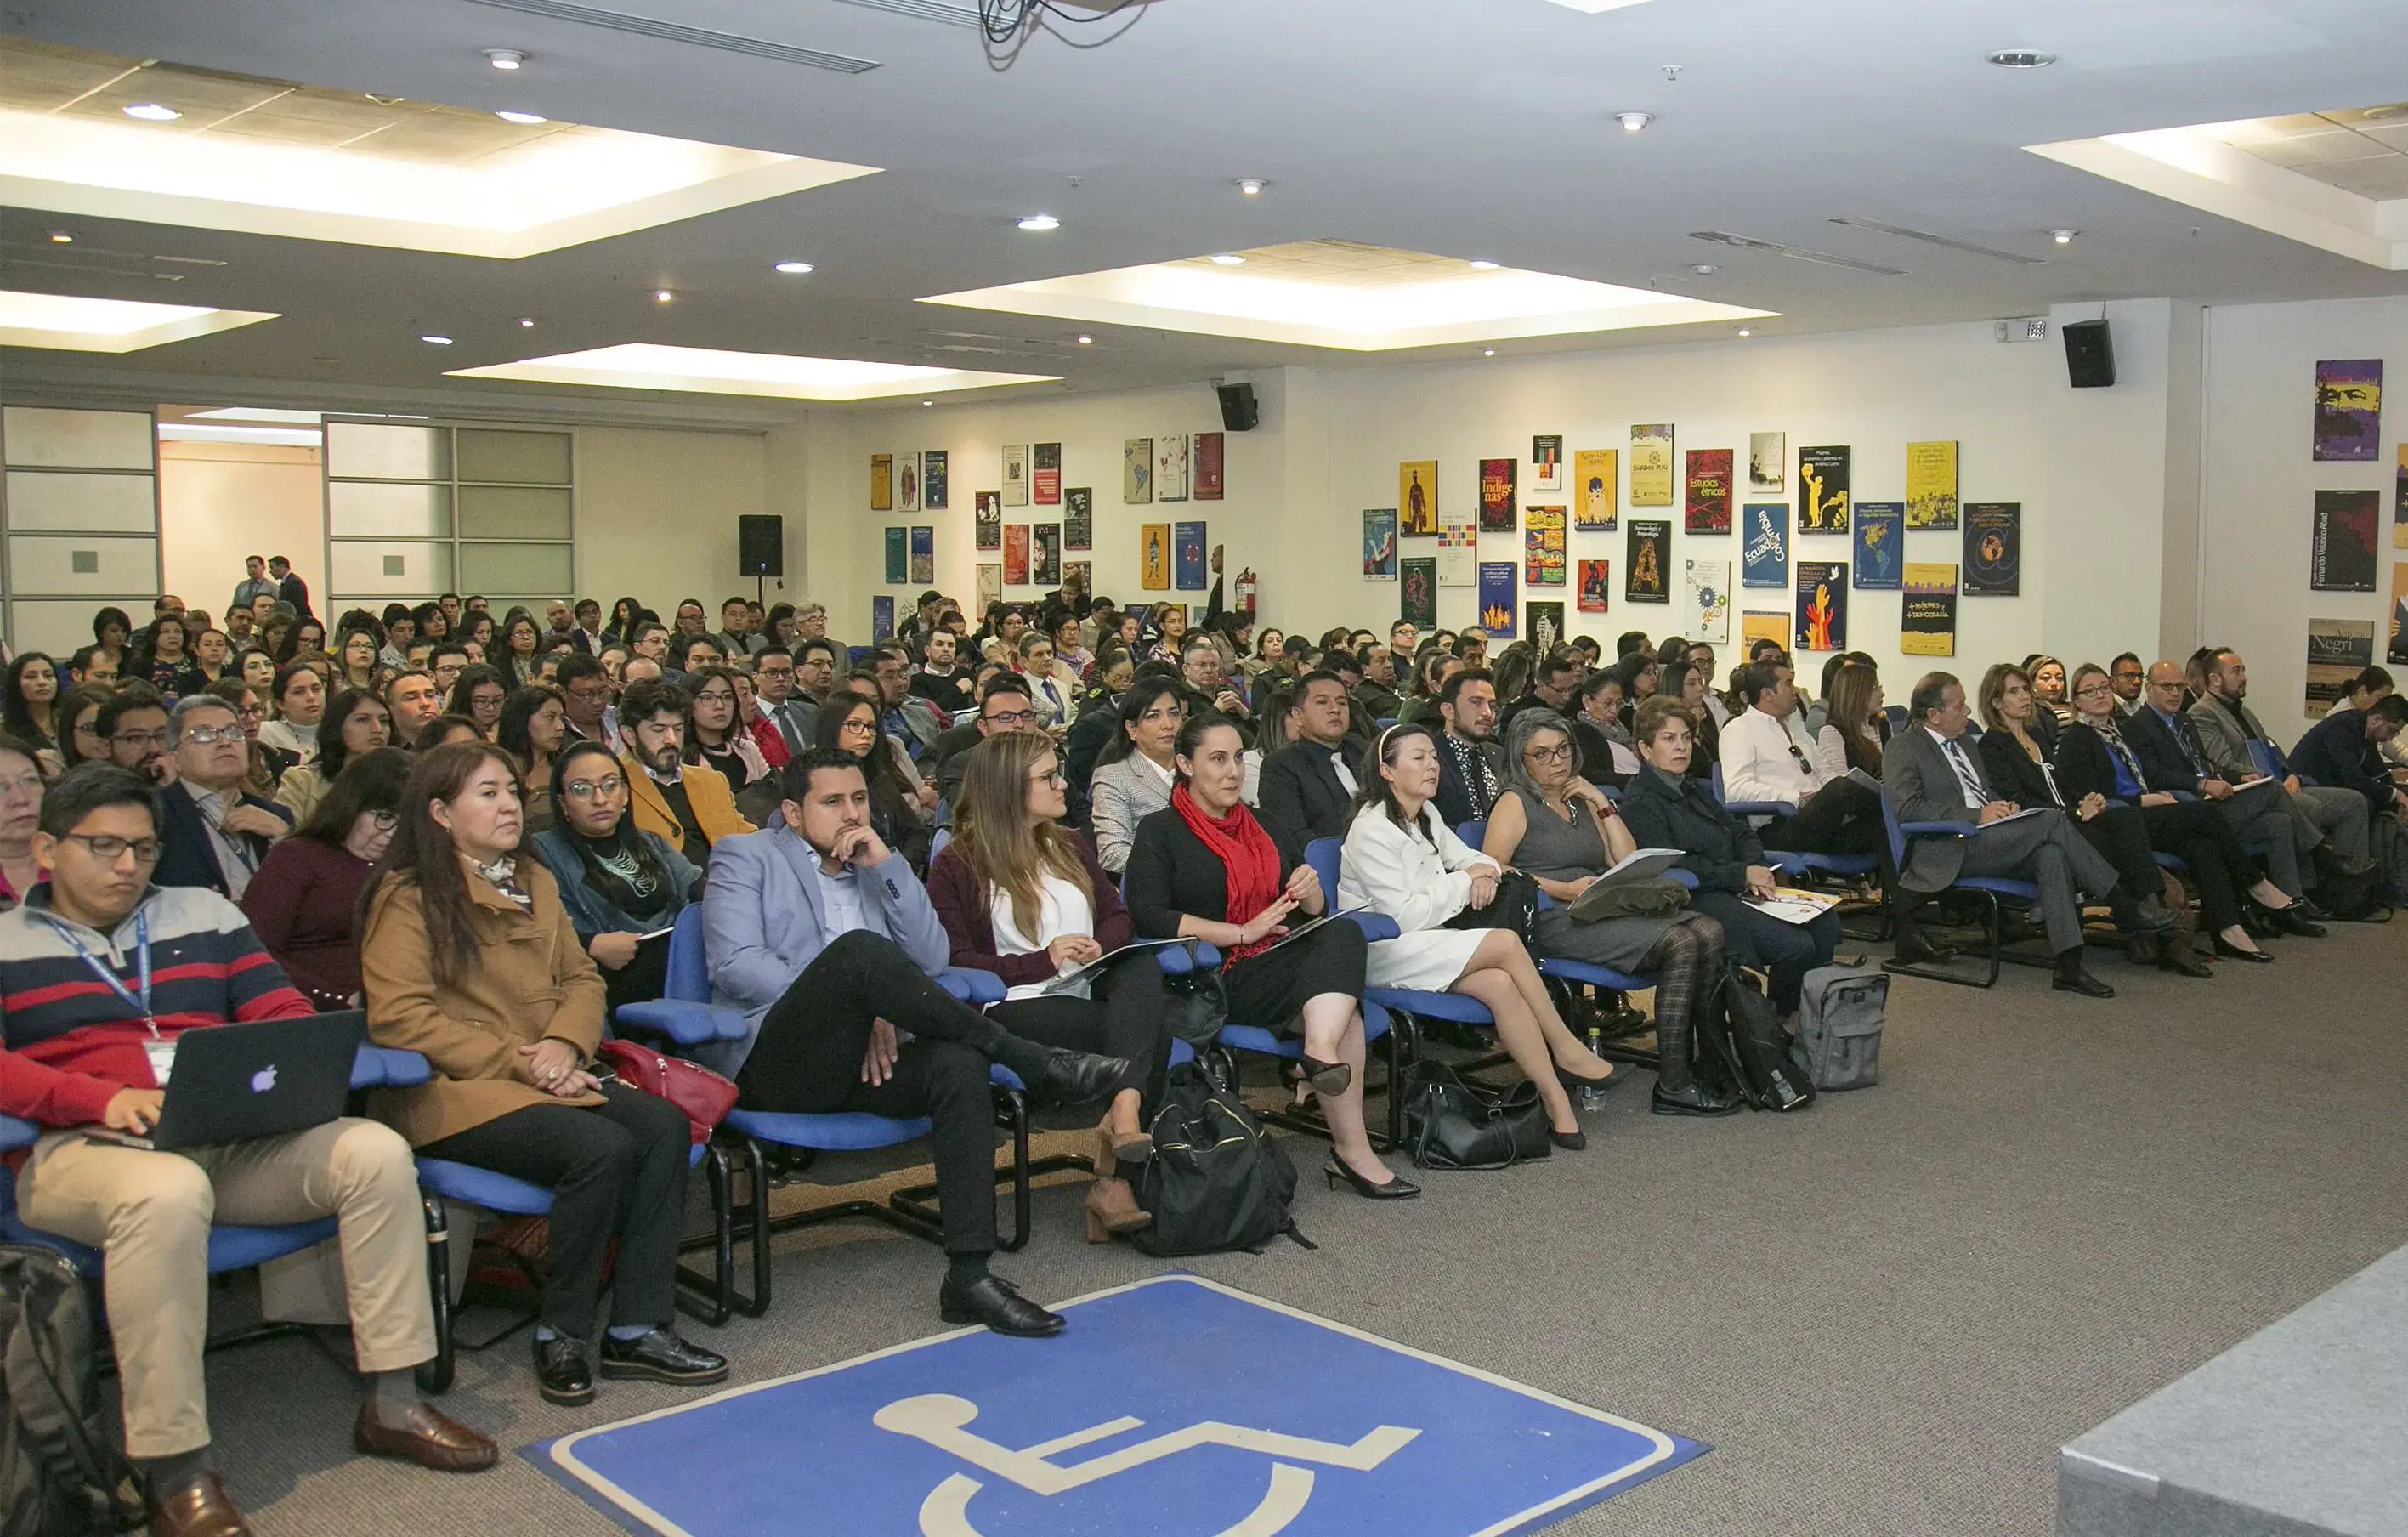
x=1246, y=853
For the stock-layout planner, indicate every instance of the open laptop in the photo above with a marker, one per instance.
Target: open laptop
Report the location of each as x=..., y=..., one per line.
x=260, y=1078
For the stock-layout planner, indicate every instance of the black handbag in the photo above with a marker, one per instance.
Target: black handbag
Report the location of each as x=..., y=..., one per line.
x=1195, y=1004
x=1453, y=1122
x=1515, y=906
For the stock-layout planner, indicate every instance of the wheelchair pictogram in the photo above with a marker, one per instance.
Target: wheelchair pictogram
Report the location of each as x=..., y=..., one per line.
x=942, y=1420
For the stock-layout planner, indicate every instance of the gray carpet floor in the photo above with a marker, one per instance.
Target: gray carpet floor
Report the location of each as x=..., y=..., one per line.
x=1886, y=1312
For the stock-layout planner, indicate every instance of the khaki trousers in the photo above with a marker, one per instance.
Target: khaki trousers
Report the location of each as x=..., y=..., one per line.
x=149, y=1213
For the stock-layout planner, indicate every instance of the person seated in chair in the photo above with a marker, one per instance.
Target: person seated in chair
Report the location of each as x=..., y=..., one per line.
x=212, y=831
x=305, y=901
x=86, y=1064
x=826, y=940
x=1471, y=766
x=2328, y=822
x=1308, y=786
x=621, y=884
x=1133, y=772
x=687, y=804
x=2345, y=749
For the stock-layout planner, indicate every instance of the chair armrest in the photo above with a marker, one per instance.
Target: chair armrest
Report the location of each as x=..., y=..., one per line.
x=683, y=1021
x=14, y=1133
x=1178, y=960
x=388, y=1067
x=1375, y=925
x=970, y=985
x=1761, y=807
x=1960, y=829
x=1686, y=877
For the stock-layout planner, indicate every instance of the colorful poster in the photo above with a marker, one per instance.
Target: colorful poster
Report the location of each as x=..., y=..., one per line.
x=1079, y=518
x=2399, y=503
x=1016, y=481
x=1206, y=467
x=881, y=482
x=1708, y=503
x=881, y=618
x=1823, y=490
x=2396, y=652
x=1496, y=598
x=1708, y=586
x=1927, y=621
x=1458, y=550
x=1542, y=545
x=899, y=555
x=1187, y=548
x=924, y=556
x=2349, y=410
x=1137, y=471
x=1994, y=548
x=1593, y=490
x=907, y=482
x=1651, y=465
x=988, y=521
x=1647, y=563
x=2338, y=650
x=1880, y=529
x=1417, y=497
x=1045, y=474
x=1497, y=496
x=1822, y=605
x=1764, y=547
x=1596, y=586
x=1930, y=486
x=2344, y=557
x=1045, y=557
x=1547, y=462
x=935, y=494
x=1015, y=554
x=1153, y=556
x=990, y=584
x=1380, y=544
x=1418, y=600
x=1768, y=460
x=1544, y=624
x=1757, y=625
x=1170, y=467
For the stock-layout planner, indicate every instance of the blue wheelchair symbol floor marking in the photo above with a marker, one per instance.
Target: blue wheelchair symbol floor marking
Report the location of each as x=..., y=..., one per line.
x=1172, y=1407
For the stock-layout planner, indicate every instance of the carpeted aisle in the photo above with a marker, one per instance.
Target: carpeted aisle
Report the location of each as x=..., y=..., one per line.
x=1885, y=1313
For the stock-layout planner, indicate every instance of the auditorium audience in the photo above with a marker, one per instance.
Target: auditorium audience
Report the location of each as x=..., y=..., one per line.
x=622, y=885
x=2329, y=822
x=357, y=721
x=1308, y=786
x=1471, y=766
x=2345, y=750
x=2166, y=740
x=304, y=902
x=1133, y=771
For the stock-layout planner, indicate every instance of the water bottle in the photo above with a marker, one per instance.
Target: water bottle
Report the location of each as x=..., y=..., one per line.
x=1593, y=1095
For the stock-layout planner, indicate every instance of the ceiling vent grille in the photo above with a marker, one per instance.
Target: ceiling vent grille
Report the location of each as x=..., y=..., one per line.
x=1723, y=238
x=927, y=10
x=677, y=32
x=1931, y=239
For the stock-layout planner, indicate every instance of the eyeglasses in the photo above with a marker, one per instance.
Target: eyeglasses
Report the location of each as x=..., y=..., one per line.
x=108, y=848
x=140, y=739
x=1009, y=717
x=383, y=821
x=717, y=696
x=86, y=729
x=30, y=784
x=1560, y=753
x=2090, y=688
x=1051, y=776
x=864, y=727
x=588, y=789
x=209, y=736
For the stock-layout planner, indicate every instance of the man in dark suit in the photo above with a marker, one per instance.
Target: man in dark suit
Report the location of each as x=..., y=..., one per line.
x=1004, y=705
x=2344, y=749
x=210, y=833
x=1471, y=764
x=1553, y=678
x=1308, y=786
x=2172, y=756
x=1931, y=776
x=290, y=588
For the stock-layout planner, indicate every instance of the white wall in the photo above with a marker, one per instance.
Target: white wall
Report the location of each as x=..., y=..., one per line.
x=219, y=502
x=656, y=514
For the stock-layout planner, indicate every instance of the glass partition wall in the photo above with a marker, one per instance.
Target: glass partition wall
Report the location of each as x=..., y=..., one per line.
x=417, y=509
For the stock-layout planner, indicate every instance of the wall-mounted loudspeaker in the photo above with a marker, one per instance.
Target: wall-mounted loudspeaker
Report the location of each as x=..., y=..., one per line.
x=761, y=544
x=1238, y=412
x=2089, y=355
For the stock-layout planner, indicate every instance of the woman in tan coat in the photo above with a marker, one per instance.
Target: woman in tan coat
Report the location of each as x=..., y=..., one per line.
x=467, y=956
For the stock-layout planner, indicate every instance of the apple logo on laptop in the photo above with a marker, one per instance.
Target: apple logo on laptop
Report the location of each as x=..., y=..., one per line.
x=263, y=1080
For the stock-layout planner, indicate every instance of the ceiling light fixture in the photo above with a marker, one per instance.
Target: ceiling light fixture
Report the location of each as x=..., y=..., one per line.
x=61, y=238
x=1038, y=223
x=434, y=340
x=151, y=112
x=1488, y=352
x=1228, y=259
x=927, y=402
x=2020, y=58
x=1595, y=7
x=1484, y=265
x=1252, y=186
x=1723, y=238
x=505, y=58
x=1086, y=341
x=1633, y=122
x=1704, y=269
x=524, y=120
x=526, y=322
x=793, y=268
x=1931, y=239
x=662, y=296
x=1746, y=332
x=2062, y=236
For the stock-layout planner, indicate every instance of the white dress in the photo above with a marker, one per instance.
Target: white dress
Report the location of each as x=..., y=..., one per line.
x=1419, y=881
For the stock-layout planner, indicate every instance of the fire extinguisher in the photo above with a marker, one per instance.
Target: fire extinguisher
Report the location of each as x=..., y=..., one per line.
x=1246, y=590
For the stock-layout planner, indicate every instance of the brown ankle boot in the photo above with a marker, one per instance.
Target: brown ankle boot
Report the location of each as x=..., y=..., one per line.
x=1111, y=1204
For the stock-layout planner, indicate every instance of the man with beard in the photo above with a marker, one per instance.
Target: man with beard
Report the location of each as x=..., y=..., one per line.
x=1471, y=764
x=687, y=803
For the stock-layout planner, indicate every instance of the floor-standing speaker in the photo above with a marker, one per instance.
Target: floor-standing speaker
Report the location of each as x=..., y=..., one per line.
x=761, y=544
x=2089, y=355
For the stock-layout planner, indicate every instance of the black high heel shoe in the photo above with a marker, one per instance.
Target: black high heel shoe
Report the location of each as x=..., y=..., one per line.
x=2228, y=949
x=1398, y=1189
x=1574, y=1085
x=1330, y=1078
x=1570, y=1141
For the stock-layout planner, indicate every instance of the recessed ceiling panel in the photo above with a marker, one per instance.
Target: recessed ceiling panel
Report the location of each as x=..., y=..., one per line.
x=64, y=322
x=645, y=365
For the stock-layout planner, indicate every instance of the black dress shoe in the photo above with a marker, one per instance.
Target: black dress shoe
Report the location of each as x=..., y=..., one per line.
x=2306, y=908
x=563, y=1372
x=2290, y=920
x=661, y=1356
x=2080, y=981
x=1695, y=1100
x=2232, y=952
x=1070, y=1078
x=1396, y=1188
x=991, y=1300
x=1921, y=952
x=2150, y=915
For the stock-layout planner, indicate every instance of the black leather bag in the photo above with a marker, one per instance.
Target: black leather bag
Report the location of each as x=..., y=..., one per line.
x=60, y=1474
x=1515, y=907
x=1195, y=1004
x=1453, y=1122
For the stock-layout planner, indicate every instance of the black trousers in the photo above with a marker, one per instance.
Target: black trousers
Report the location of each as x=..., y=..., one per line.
x=1270, y=990
x=1125, y=1018
x=2197, y=832
x=1841, y=817
x=2122, y=839
x=1785, y=951
x=617, y=1171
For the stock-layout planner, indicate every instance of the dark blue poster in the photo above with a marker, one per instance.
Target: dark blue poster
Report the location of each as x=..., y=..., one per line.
x=1880, y=525
x=1187, y=546
x=1496, y=598
x=1994, y=548
x=1764, y=549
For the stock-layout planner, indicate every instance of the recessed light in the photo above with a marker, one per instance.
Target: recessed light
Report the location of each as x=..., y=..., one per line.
x=61, y=238
x=795, y=268
x=1484, y=266
x=505, y=58
x=151, y=112
x=1252, y=186
x=1488, y=352
x=524, y=120
x=2021, y=58
x=1746, y=332
x=527, y=322
x=434, y=340
x=1228, y=259
x=1704, y=269
x=927, y=402
x=1086, y=341
x=2063, y=236
x=1040, y=223
x=1633, y=122
x=662, y=296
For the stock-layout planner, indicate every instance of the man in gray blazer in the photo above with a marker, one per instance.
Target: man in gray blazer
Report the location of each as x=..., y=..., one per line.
x=826, y=940
x=1931, y=775
x=2319, y=812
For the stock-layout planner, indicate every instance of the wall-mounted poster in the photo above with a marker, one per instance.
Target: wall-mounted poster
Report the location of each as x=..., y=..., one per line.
x=1542, y=546
x=935, y=494
x=1497, y=496
x=1768, y=460
x=1015, y=554
x=1187, y=551
x=1418, y=600
x=1880, y=529
x=1380, y=544
x=2344, y=557
x=881, y=482
x=899, y=555
x=990, y=584
x=1079, y=518
x=1764, y=545
x=1647, y=563
x=2349, y=410
x=1707, y=494
x=1930, y=486
x=1651, y=465
x=881, y=618
x=2338, y=650
x=1543, y=624
x=1045, y=473
x=1458, y=550
x=1760, y=625
x=2396, y=652
x=1170, y=467
x=1547, y=462
x=1206, y=487
x=988, y=519
x=1596, y=595
x=1823, y=490
x=1153, y=557
x=1496, y=598
x=1137, y=471
x=1708, y=594
x=1015, y=478
x=1927, y=617
x=1417, y=497
x=907, y=482
x=1994, y=549
x=1593, y=490
x=1045, y=554
x=924, y=554
x=1822, y=605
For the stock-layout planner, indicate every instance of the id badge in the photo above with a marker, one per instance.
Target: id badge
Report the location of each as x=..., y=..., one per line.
x=162, y=1058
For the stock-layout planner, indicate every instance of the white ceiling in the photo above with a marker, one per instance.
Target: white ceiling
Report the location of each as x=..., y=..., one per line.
x=1459, y=130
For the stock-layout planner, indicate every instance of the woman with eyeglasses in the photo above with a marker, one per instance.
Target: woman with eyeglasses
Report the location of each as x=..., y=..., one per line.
x=304, y=901
x=21, y=815
x=304, y=638
x=1133, y=771
x=715, y=733
x=477, y=693
x=618, y=882
x=79, y=738
x=357, y=721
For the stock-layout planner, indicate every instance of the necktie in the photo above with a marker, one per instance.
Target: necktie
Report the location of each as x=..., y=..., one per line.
x=1969, y=781
x=2186, y=733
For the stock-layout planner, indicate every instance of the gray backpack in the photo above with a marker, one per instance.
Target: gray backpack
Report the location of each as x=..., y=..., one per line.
x=1840, y=1026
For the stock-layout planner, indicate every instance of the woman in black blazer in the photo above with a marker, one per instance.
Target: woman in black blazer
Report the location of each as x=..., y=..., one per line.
x=1194, y=868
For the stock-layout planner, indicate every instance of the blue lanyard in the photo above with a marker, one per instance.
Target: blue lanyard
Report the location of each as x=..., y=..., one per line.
x=116, y=983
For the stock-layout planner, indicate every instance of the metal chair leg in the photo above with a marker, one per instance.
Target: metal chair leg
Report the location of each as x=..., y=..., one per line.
x=702, y=1297
x=435, y=1376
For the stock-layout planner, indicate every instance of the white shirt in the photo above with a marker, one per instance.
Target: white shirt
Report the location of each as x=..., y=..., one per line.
x=233, y=855
x=842, y=908
x=1759, y=763
x=1062, y=909
x=1345, y=775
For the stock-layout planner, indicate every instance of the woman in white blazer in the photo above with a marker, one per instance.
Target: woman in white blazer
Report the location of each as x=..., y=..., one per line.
x=1403, y=861
x=1134, y=771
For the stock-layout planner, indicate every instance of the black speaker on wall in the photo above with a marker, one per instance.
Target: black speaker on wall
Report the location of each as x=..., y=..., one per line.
x=761, y=544
x=2089, y=355
x=1238, y=412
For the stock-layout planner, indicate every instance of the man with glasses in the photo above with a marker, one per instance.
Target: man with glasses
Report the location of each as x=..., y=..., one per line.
x=2128, y=678
x=1004, y=705
x=796, y=715
x=2328, y=822
x=903, y=715
x=585, y=702
x=1207, y=688
x=1308, y=786
x=688, y=805
x=212, y=833
x=445, y=662
x=133, y=724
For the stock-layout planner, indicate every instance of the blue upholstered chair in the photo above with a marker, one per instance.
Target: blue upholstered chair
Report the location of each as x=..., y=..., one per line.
x=1564, y=977
x=1405, y=1006
x=1990, y=888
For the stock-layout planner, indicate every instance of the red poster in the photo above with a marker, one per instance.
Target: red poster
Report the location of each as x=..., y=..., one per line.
x=1709, y=485
x=1497, y=496
x=1206, y=467
x=1596, y=585
x=1015, y=554
x=1048, y=466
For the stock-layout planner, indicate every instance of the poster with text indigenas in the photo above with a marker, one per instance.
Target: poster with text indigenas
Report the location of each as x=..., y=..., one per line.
x=1497, y=496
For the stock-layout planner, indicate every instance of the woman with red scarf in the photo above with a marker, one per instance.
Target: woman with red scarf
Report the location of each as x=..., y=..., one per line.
x=1205, y=869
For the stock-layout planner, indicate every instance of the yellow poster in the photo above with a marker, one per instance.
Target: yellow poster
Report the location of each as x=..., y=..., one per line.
x=1593, y=489
x=1417, y=497
x=1154, y=558
x=1651, y=465
x=1754, y=625
x=1927, y=617
x=1931, y=485
x=881, y=482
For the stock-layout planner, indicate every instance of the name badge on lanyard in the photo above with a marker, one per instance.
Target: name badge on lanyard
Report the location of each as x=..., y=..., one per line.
x=161, y=1049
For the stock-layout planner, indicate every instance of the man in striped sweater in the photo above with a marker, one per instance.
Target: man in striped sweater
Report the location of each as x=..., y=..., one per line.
x=100, y=972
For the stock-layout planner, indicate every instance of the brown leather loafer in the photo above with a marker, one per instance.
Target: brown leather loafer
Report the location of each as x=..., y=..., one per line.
x=428, y=1437
x=199, y=1509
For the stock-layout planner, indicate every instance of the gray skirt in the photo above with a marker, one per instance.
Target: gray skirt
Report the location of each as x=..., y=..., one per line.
x=1618, y=942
